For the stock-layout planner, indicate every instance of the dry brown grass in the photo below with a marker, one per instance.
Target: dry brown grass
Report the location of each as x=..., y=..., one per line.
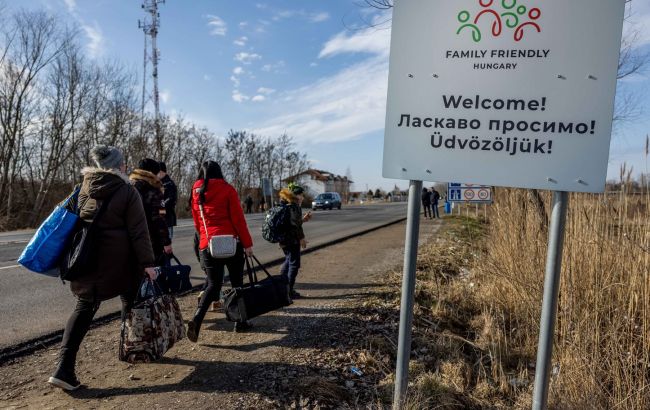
x=602, y=355
x=478, y=303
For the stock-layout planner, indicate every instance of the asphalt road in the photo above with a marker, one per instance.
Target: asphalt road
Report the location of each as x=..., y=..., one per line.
x=33, y=305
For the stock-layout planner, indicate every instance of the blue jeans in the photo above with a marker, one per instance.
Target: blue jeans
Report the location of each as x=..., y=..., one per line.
x=291, y=263
x=436, y=211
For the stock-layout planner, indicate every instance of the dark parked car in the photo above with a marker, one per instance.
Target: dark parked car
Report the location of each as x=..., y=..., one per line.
x=328, y=200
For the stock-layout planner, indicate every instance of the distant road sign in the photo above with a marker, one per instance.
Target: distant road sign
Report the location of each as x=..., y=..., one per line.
x=469, y=193
x=266, y=187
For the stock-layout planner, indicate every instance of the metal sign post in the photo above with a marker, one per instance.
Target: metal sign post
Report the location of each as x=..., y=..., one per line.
x=267, y=191
x=549, y=305
x=408, y=293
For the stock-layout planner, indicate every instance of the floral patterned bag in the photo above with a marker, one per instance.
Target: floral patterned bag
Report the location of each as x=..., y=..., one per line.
x=152, y=327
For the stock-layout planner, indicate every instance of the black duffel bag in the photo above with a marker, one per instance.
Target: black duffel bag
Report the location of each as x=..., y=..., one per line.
x=174, y=279
x=256, y=297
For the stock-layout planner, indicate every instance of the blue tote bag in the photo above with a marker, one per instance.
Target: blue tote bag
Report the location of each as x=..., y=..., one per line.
x=44, y=250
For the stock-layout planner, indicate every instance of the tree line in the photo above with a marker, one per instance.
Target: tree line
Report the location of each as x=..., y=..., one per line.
x=56, y=104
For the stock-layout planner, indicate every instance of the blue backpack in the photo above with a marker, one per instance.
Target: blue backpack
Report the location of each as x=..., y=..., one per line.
x=274, y=228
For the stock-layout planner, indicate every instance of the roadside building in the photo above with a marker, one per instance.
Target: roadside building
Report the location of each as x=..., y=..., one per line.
x=318, y=181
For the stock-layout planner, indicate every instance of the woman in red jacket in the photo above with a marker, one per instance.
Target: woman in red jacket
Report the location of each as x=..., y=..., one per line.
x=223, y=216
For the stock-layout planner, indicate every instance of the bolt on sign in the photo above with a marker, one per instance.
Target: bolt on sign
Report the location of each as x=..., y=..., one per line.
x=503, y=92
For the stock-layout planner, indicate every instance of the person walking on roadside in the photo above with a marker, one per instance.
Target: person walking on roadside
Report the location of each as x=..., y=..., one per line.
x=435, y=198
x=145, y=180
x=262, y=204
x=222, y=215
x=122, y=254
x=426, y=203
x=294, y=239
x=249, y=204
x=170, y=198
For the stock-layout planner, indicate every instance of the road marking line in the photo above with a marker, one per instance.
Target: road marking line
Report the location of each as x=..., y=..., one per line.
x=10, y=267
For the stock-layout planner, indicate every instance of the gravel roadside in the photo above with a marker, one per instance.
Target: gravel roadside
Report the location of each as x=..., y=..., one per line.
x=298, y=357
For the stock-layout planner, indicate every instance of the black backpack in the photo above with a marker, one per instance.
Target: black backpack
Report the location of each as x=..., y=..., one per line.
x=80, y=253
x=274, y=228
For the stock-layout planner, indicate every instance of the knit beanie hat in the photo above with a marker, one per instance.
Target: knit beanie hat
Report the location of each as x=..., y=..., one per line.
x=150, y=165
x=295, y=188
x=106, y=157
x=163, y=167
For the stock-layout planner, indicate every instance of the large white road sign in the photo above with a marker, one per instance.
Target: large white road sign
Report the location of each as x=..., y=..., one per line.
x=503, y=92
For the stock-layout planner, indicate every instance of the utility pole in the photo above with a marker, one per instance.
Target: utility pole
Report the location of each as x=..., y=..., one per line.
x=150, y=26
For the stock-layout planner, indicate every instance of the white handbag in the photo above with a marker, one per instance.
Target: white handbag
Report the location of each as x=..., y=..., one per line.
x=220, y=246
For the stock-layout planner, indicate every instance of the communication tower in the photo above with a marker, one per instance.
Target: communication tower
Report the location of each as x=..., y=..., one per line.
x=151, y=26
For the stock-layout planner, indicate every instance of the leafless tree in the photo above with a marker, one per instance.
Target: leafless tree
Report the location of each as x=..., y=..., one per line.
x=31, y=41
x=55, y=105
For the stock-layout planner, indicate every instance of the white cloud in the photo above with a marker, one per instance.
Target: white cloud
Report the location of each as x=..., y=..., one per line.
x=207, y=77
x=315, y=17
x=313, y=64
x=239, y=97
x=71, y=5
x=165, y=96
x=247, y=58
x=284, y=14
x=243, y=24
x=370, y=40
x=238, y=70
x=273, y=67
x=235, y=81
x=258, y=98
x=342, y=106
x=265, y=90
x=319, y=17
x=217, y=26
x=96, y=43
x=241, y=41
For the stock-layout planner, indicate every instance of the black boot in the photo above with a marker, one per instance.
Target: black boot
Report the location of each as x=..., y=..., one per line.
x=64, y=377
x=194, y=326
x=243, y=326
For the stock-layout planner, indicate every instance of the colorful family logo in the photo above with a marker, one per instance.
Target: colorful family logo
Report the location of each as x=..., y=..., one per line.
x=515, y=17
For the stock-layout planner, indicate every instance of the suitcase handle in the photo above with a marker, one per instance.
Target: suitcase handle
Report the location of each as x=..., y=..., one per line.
x=252, y=275
x=167, y=259
x=261, y=266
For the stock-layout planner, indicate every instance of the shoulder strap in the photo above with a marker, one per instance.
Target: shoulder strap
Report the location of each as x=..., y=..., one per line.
x=71, y=203
x=205, y=226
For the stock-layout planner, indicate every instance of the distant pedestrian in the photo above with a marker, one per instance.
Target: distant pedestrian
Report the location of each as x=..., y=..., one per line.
x=249, y=204
x=170, y=198
x=294, y=239
x=222, y=215
x=435, y=199
x=262, y=204
x=426, y=203
x=145, y=179
x=121, y=249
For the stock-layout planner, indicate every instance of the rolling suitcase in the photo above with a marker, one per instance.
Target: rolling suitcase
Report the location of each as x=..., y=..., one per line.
x=256, y=297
